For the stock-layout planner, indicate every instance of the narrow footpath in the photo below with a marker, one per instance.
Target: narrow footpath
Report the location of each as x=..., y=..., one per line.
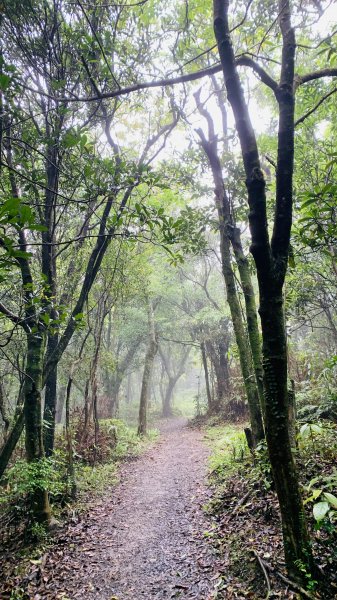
x=145, y=539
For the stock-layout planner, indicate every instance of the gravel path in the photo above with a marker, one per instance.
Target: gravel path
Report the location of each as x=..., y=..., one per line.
x=145, y=540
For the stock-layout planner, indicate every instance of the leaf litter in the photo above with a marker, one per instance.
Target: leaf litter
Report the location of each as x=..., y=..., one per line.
x=142, y=539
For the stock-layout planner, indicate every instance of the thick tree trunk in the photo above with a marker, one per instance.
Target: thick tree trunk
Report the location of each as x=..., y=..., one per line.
x=295, y=536
x=33, y=421
x=113, y=394
x=151, y=352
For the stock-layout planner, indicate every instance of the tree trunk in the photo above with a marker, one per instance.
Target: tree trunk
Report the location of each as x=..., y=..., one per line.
x=33, y=421
x=3, y=407
x=271, y=264
x=60, y=404
x=217, y=399
x=49, y=413
x=151, y=352
x=224, y=371
x=11, y=441
x=173, y=375
x=205, y=365
x=71, y=466
x=167, y=403
x=251, y=377
x=240, y=337
x=251, y=311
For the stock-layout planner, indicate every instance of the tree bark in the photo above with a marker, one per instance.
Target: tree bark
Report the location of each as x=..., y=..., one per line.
x=3, y=407
x=33, y=421
x=71, y=466
x=245, y=357
x=205, y=365
x=151, y=352
x=11, y=441
x=50, y=402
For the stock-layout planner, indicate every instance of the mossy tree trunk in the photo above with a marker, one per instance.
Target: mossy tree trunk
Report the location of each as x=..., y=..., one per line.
x=271, y=264
x=245, y=357
x=33, y=378
x=152, y=348
x=233, y=235
x=33, y=421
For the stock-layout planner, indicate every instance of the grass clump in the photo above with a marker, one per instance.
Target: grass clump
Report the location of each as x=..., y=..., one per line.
x=229, y=449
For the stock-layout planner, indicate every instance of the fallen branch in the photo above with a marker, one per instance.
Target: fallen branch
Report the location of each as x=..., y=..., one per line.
x=240, y=503
x=264, y=571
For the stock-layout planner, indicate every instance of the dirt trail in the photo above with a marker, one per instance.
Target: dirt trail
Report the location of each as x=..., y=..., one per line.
x=144, y=540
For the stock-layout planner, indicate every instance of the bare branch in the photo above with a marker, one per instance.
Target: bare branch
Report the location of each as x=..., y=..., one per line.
x=301, y=79
x=132, y=88
x=264, y=76
x=314, y=108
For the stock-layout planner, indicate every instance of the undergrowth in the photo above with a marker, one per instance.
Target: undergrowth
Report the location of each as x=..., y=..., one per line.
x=245, y=511
x=118, y=442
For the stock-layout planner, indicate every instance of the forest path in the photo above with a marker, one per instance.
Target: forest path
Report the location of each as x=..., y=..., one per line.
x=144, y=539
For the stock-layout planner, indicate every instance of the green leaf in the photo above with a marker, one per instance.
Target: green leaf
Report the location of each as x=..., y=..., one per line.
x=331, y=499
x=4, y=82
x=320, y=510
x=71, y=139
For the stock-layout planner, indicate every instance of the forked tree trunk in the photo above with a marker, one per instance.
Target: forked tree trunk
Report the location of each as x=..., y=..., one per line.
x=271, y=264
x=173, y=374
x=151, y=352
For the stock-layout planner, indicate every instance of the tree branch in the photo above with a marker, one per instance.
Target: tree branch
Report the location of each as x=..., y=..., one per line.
x=301, y=79
x=132, y=88
x=314, y=108
x=264, y=76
